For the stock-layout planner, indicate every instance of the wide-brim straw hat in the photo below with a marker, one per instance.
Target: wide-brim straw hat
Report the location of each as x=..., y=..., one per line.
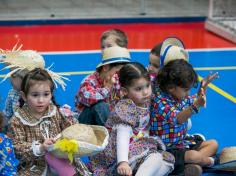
x=227, y=159
x=91, y=139
x=115, y=54
x=18, y=60
x=172, y=49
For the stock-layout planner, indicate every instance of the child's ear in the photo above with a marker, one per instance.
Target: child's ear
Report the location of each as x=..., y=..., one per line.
x=124, y=91
x=23, y=96
x=171, y=90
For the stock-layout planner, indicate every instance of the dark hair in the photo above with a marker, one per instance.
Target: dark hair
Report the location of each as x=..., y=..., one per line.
x=31, y=77
x=20, y=74
x=156, y=50
x=121, y=38
x=177, y=73
x=131, y=71
x=111, y=65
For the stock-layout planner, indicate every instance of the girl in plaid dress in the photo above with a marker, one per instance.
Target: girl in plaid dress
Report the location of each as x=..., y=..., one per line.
x=36, y=123
x=131, y=151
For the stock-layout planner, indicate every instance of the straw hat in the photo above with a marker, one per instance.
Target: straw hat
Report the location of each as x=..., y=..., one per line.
x=18, y=60
x=228, y=154
x=172, y=48
x=114, y=54
x=227, y=159
x=91, y=139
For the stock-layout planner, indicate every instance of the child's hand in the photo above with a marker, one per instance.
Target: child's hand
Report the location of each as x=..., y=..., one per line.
x=124, y=169
x=46, y=144
x=208, y=80
x=201, y=98
x=109, y=81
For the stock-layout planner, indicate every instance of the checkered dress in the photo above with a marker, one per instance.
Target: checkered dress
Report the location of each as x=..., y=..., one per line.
x=25, y=129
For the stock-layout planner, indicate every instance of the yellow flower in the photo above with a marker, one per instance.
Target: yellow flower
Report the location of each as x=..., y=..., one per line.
x=68, y=146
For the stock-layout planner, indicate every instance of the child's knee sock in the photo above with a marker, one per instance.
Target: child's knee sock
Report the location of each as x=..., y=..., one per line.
x=151, y=165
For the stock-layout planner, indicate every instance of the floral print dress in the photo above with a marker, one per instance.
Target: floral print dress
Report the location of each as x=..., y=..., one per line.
x=8, y=162
x=141, y=144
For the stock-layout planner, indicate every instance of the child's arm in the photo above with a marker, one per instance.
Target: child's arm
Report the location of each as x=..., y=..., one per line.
x=17, y=133
x=210, y=77
x=192, y=108
x=89, y=94
x=123, y=138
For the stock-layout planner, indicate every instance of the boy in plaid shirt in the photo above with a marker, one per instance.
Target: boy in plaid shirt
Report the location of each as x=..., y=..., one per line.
x=101, y=89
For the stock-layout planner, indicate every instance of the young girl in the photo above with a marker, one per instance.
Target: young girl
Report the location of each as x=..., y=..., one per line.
x=36, y=123
x=8, y=162
x=171, y=109
x=130, y=150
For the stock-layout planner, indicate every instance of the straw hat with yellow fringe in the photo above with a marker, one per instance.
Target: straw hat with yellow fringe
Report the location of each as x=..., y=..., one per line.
x=172, y=49
x=20, y=60
x=80, y=140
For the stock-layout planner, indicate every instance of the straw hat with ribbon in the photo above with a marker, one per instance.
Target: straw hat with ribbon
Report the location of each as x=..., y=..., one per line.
x=18, y=60
x=80, y=140
x=114, y=54
x=172, y=49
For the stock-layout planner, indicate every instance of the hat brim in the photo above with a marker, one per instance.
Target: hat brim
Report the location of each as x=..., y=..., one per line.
x=87, y=149
x=111, y=62
x=228, y=166
x=167, y=44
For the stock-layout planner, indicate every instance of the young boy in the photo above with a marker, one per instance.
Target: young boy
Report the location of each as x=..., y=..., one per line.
x=19, y=62
x=99, y=90
x=114, y=37
x=170, y=110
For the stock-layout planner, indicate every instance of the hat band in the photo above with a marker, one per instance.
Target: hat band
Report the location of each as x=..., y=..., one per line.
x=116, y=59
x=162, y=59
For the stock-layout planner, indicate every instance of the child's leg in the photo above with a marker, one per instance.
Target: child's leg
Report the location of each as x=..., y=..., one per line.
x=208, y=148
x=165, y=169
x=154, y=165
x=100, y=112
x=95, y=115
x=201, y=155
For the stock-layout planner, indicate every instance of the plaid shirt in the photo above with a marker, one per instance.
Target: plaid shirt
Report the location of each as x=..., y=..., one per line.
x=164, y=123
x=12, y=102
x=92, y=91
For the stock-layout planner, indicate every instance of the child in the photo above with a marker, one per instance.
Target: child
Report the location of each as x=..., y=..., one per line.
x=37, y=122
x=19, y=62
x=171, y=109
x=113, y=37
x=130, y=150
x=8, y=162
x=98, y=90
x=170, y=49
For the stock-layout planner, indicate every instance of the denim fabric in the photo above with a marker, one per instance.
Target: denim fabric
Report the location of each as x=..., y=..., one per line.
x=96, y=114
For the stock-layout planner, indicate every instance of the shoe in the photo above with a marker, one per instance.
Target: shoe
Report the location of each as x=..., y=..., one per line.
x=192, y=170
x=199, y=136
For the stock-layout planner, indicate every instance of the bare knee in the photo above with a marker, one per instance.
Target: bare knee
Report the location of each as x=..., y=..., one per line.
x=212, y=145
x=192, y=156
